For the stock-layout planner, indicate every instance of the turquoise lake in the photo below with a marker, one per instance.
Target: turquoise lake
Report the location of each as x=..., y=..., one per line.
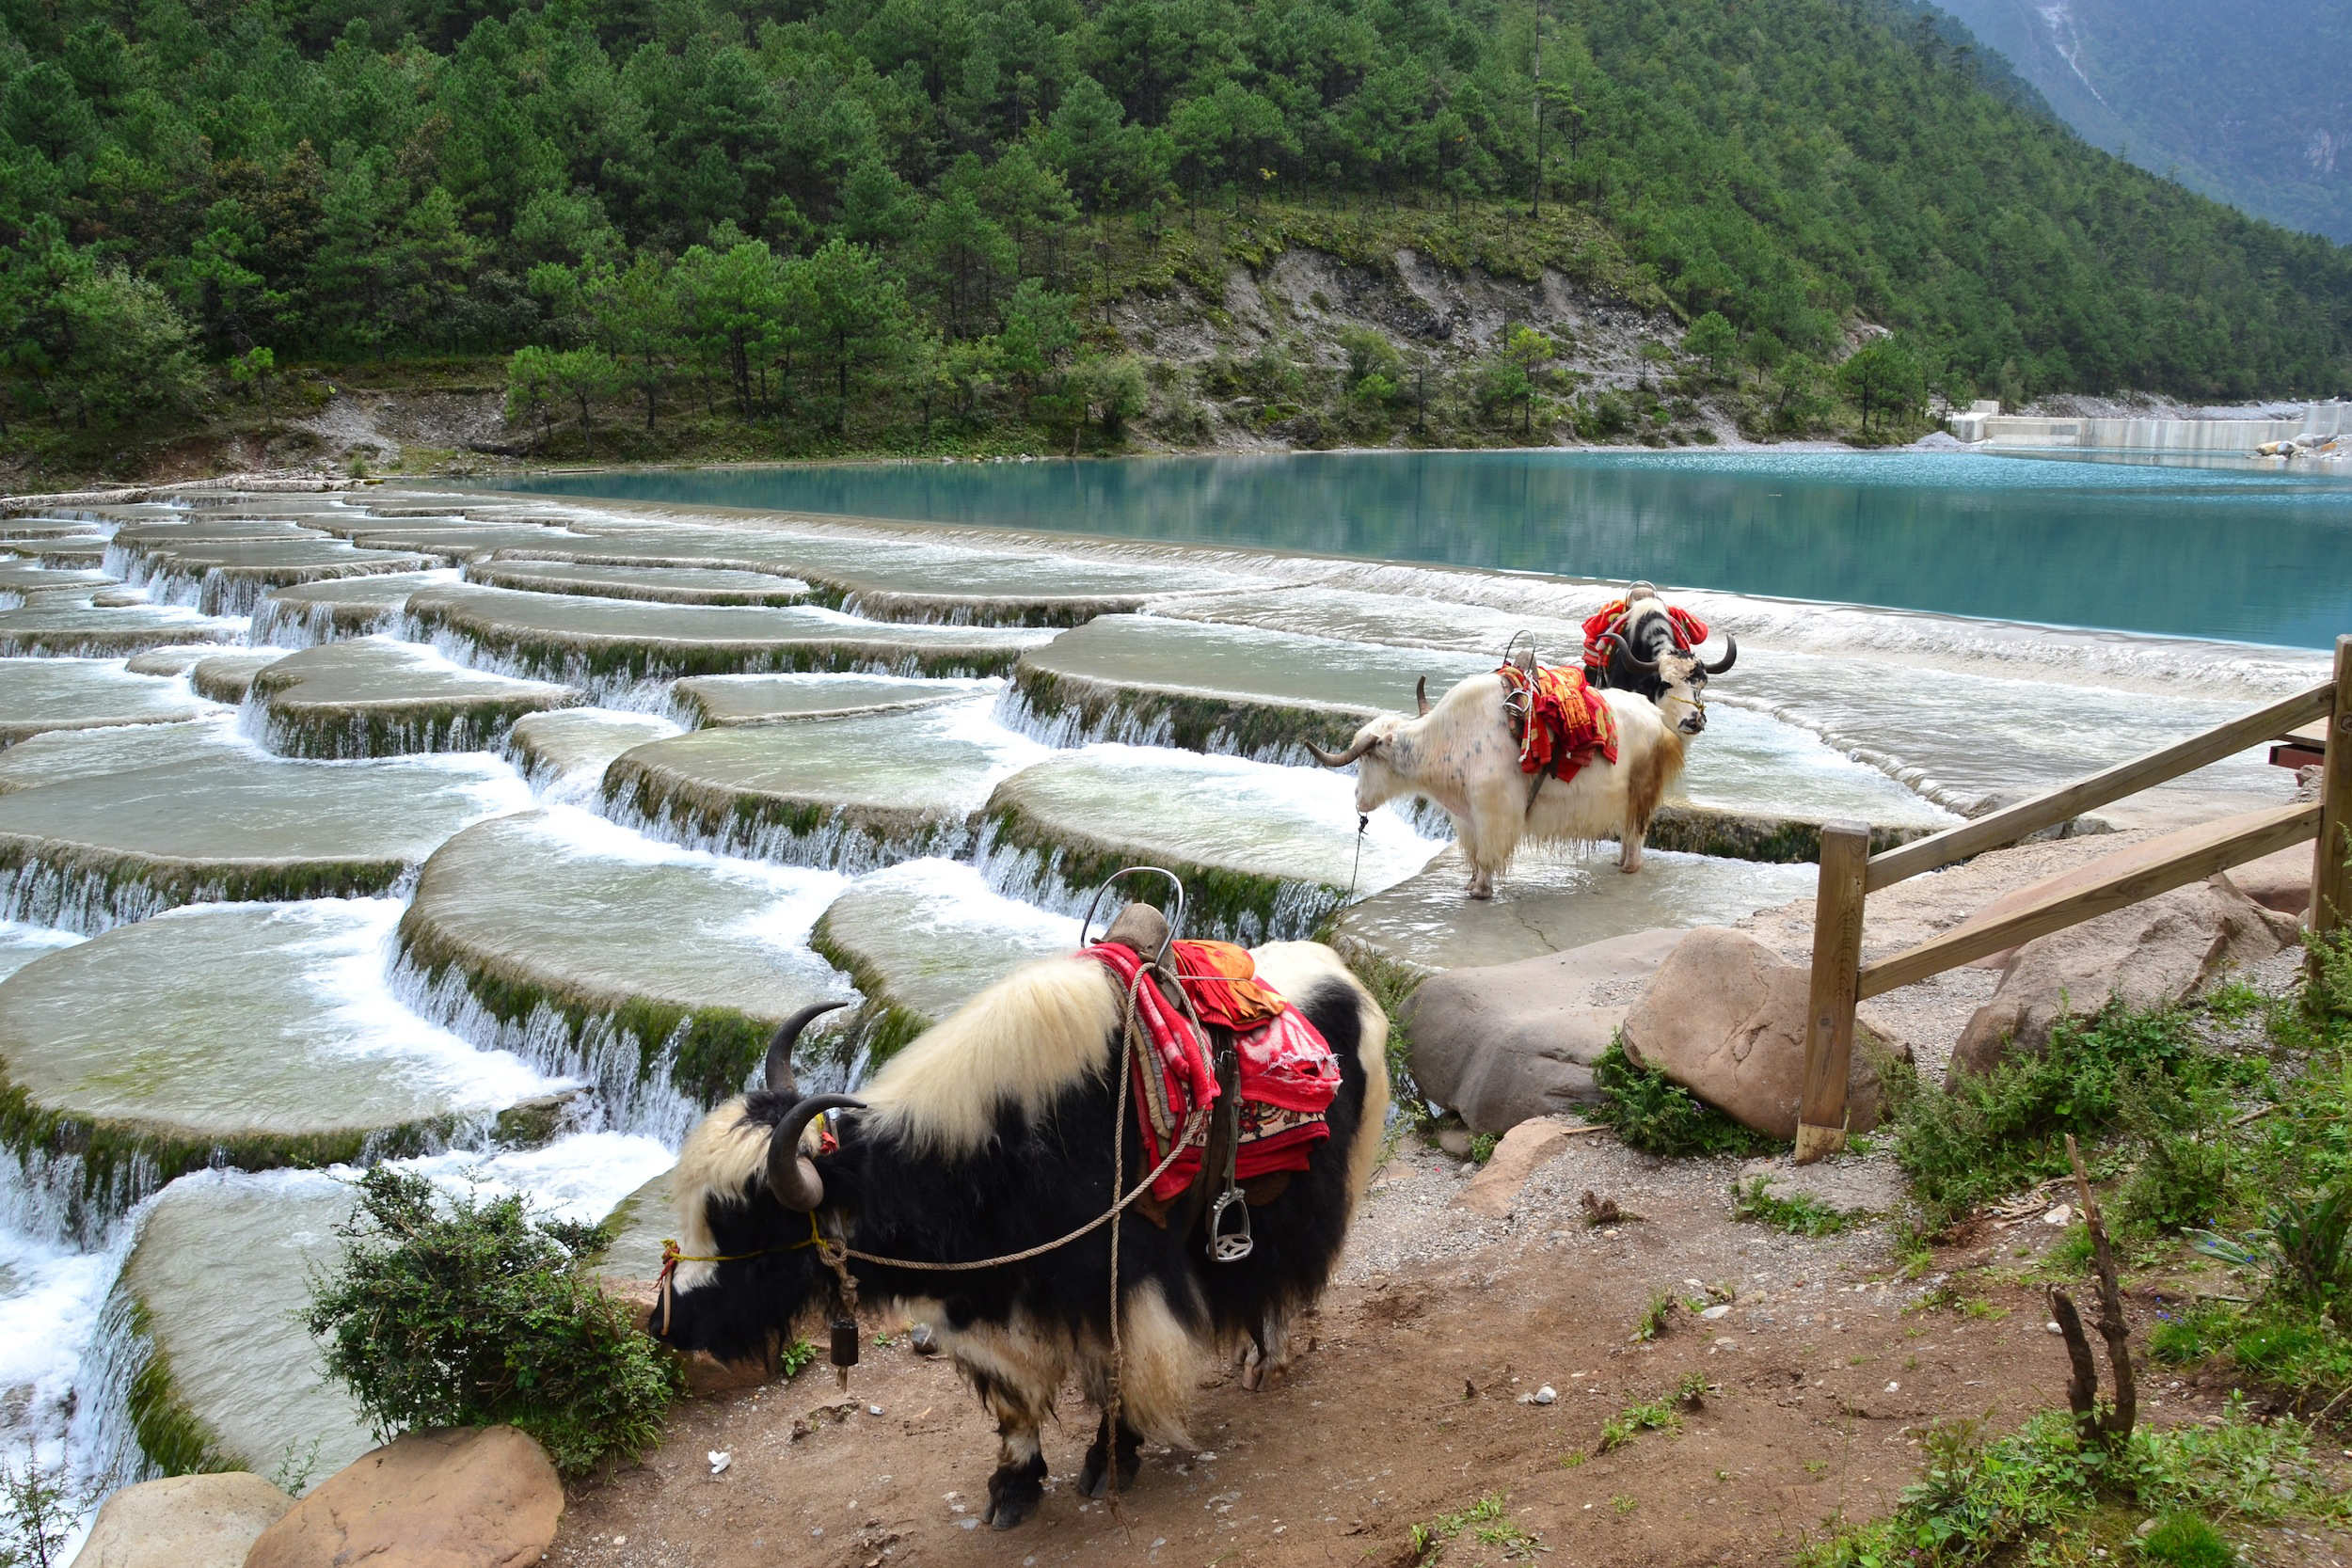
x=2228, y=552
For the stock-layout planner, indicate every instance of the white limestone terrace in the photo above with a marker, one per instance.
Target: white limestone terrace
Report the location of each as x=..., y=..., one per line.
x=547, y=951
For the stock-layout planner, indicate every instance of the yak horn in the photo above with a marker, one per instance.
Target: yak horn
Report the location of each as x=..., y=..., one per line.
x=1420, y=695
x=1341, y=759
x=1731, y=651
x=779, y=1075
x=791, y=1175
x=1631, y=657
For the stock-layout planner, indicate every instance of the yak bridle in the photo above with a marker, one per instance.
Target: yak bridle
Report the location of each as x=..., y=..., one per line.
x=798, y=1174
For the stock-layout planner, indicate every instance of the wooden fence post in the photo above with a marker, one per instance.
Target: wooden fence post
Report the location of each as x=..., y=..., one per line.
x=2331, y=884
x=1829, y=1011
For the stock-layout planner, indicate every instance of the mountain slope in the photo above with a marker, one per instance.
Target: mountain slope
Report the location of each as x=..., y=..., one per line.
x=2249, y=103
x=836, y=219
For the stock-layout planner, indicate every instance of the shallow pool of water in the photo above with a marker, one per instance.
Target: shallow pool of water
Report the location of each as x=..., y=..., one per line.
x=2228, y=553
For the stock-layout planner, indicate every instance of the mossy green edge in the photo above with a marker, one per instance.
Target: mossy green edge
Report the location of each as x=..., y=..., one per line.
x=388, y=730
x=1217, y=899
x=1249, y=728
x=875, y=604
x=99, y=645
x=174, y=1439
x=880, y=1027
x=739, y=817
x=178, y=882
x=111, y=1149
x=649, y=659
x=716, y=1049
x=1755, y=837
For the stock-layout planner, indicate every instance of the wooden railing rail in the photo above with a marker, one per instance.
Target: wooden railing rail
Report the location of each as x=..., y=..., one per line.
x=1850, y=874
x=2068, y=801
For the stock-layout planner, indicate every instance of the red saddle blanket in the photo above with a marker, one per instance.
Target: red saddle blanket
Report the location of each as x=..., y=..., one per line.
x=1289, y=1075
x=1560, y=722
x=1610, y=617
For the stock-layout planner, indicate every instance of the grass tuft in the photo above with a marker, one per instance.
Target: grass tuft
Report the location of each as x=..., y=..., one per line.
x=1802, y=1216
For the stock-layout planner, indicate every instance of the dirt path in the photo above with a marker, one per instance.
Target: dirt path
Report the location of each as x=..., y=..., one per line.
x=1407, y=1407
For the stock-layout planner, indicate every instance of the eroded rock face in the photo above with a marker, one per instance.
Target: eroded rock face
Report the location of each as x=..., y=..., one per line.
x=451, y=1498
x=2281, y=882
x=183, y=1522
x=1724, y=1018
x=1511, y=1042
x=2149, y=954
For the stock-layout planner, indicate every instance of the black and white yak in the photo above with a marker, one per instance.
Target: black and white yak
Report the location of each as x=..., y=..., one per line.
x=990, y=1134
x=1647, y=647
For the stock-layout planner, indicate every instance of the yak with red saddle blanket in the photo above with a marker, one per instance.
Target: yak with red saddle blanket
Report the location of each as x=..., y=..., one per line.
x=1060, y=1141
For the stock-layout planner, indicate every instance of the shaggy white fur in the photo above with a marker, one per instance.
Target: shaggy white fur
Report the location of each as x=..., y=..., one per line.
x=1023, y=1040
x=721, y=1153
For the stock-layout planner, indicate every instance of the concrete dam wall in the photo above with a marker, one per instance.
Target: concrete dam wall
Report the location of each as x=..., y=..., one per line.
x=2219, y=437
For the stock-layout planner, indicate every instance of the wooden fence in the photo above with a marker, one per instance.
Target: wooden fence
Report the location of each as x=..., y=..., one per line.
x=2315, y=722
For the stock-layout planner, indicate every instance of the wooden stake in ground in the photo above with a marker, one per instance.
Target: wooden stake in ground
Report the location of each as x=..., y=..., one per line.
x=2110, y=1428
x=2332, y=880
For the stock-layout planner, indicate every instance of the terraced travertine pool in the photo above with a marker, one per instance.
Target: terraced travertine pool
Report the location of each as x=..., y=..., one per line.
x=493, y=835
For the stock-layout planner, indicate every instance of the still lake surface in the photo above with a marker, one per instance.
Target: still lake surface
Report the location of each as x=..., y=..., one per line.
x=2229, y=552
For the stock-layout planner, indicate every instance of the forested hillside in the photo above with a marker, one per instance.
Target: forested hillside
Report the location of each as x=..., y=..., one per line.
x=2251, y=104
x=889, y=222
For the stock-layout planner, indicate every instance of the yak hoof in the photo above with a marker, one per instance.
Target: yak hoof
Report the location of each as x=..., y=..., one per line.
x=1094, y=1474
x=1013, y=1493
x=1481, y=890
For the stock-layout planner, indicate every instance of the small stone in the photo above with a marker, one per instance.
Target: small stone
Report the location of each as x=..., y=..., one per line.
x=2052, y=1327
x=718, y=1462
x=873, y=1410
x=1546, y=1394
x=1455, y=1141
x=620, y=1541
x=2063, y=1214
x=1893, y=1386
x=2147, y=1528
x=1716, y=1312
x=967, y=1523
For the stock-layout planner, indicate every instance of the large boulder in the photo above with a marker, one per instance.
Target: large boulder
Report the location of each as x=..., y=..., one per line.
x=1510, y=1042
x=451, y=1498
x=183, y=1522
x=1724, y=1018
x=2157, y=953
x=2280, y=882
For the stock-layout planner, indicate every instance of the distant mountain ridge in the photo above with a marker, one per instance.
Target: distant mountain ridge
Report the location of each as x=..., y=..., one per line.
x=2249, y=104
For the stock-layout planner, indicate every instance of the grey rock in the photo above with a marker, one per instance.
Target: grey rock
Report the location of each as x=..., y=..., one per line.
x=1514, y=1041
x=1724, y=1018
x=2152, y=954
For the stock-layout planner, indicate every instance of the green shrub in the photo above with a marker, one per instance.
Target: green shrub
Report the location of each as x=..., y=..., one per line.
x=1654, y=1114
x=2298, y=1249
x=1981, y=1499
x=2182, y=1177
x=461, y=1312
x=1996, y=1132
